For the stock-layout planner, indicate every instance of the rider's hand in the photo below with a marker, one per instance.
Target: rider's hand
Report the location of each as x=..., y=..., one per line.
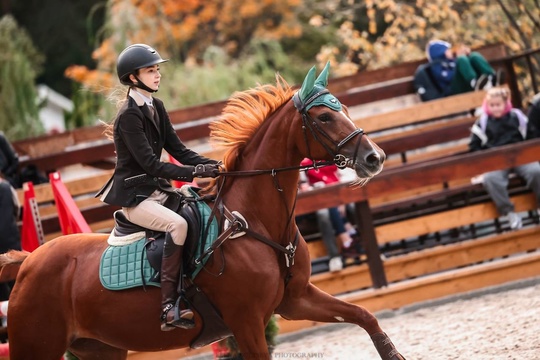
x=206, y=170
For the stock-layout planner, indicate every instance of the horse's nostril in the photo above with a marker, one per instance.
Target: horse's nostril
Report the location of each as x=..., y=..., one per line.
x=374, y=159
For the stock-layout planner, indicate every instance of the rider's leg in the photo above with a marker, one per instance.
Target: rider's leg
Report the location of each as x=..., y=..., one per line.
x=153, y=215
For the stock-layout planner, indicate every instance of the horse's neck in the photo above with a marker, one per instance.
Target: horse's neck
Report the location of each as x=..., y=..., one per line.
x=269, y=197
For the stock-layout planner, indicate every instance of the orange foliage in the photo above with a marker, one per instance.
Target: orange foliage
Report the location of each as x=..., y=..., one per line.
x=94, y=80
x=192, y=25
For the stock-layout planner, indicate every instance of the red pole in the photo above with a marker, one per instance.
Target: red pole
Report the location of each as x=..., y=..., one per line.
x=32, y=232
x=69, y=215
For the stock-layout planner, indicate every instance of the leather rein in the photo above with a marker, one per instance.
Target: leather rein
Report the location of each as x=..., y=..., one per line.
x=238, y=225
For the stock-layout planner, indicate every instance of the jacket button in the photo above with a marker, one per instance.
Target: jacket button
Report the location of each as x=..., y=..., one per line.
x=155, y=179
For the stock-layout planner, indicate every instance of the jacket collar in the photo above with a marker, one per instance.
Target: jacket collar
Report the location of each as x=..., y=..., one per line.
x=141, y=102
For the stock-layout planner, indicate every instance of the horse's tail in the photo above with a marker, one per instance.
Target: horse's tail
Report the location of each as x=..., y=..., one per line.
x=10, y=264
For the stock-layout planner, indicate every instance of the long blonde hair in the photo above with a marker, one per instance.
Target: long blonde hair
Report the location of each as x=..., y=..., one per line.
x=119, y=96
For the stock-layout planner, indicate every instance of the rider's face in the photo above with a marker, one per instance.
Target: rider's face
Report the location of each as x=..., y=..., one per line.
x=150, y=76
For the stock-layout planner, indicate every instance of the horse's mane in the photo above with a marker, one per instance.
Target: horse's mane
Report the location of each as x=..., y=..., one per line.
x=244, y=113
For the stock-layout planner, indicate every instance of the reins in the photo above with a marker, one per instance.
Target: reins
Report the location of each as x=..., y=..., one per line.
x=341, y=161
x=276, y=170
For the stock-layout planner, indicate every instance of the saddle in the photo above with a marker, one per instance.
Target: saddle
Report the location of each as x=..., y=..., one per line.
x=213, y=327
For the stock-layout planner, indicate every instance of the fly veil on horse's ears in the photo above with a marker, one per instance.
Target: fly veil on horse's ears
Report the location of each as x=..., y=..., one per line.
x=314, y=93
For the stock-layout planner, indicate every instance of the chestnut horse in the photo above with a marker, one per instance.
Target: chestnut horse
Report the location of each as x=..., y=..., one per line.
x=59, y=304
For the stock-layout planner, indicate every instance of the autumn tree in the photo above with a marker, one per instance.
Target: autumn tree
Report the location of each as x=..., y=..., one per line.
x=20, y=64
x=397, y=31
x=184, y=30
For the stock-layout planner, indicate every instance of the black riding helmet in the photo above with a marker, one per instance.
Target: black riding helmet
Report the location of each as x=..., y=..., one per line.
x=133, y=58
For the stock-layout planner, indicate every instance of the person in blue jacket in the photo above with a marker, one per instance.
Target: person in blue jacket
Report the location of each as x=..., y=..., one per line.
x=459, y=70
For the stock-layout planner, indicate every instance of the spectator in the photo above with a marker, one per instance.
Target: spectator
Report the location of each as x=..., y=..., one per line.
x=9, y=215
x=500, y=125
x=9, y=161
x=459, y=70
x=343, y=229
x=534, y=113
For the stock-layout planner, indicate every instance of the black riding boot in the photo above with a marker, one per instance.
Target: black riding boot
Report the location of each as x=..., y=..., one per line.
x=171, y=315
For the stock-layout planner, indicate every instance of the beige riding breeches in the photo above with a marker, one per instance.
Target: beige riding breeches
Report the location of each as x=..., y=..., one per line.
x=151, y=214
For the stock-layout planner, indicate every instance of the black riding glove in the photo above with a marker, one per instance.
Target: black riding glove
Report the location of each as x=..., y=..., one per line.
x=206, y=170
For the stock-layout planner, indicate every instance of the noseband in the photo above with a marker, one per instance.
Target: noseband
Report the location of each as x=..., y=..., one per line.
x=309, y=123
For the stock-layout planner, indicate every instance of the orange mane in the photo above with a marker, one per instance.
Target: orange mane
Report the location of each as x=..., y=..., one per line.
x=244, y=113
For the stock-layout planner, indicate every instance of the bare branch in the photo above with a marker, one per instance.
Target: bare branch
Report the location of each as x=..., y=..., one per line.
x=513, y=22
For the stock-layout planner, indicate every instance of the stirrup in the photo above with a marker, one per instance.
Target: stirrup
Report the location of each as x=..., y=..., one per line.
x=177, y=321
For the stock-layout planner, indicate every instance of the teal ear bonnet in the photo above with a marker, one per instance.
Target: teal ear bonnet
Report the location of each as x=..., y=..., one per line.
x=311, y=87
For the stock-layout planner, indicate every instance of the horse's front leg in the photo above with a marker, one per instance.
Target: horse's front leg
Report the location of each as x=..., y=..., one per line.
x=313, y=304
x=251, y=339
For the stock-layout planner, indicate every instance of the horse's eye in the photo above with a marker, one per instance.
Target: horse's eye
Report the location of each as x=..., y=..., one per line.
x=325, y=117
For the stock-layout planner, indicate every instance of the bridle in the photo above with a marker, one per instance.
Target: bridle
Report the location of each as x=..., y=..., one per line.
x=308, y=123
x=340, y=160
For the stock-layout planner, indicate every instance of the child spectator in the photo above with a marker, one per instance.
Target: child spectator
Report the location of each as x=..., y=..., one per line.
x=459, y=70
x=500, y=125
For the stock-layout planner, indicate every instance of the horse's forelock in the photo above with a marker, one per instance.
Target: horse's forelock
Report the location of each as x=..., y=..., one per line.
x=244, y=113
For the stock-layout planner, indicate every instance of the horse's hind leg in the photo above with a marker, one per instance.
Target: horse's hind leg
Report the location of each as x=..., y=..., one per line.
x=89, y=349
x=316, y=305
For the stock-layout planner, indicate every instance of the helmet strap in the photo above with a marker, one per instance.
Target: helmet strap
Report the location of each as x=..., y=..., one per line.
x=142, y=85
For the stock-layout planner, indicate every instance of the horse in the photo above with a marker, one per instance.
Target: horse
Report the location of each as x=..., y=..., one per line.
x=59, y=304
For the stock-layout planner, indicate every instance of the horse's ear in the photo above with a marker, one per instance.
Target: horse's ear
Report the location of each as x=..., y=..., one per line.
x=322, y=80
x=307, y=85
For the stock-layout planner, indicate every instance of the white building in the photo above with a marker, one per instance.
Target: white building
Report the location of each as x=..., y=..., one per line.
x=52, y=110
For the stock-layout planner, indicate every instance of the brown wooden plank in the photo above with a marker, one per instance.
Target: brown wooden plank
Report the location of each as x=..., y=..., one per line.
x=421, y=112
x=466, y=253
x=351, y=278
x=447, y=220
x=441, y=170
x=431, y=261
x=83, y=186
x=438, y=153
x=316, y=249
x=410, y=176
x=425, y=135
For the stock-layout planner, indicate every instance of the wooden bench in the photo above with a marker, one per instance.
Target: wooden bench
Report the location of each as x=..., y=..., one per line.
x=419, y=132
x=422, y=175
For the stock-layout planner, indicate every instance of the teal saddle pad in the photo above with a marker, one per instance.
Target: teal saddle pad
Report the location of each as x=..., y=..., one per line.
x=212, y=232
x=120, y=266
